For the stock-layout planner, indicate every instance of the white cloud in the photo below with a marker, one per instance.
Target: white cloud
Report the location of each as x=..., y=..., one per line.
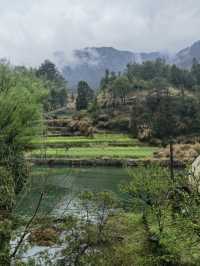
x=32, y=30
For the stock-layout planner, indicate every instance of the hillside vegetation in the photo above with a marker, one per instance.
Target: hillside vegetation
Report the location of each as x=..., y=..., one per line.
x=132, y=115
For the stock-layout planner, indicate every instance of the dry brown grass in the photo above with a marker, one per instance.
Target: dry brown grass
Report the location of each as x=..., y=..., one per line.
x=181, y=152
x=44, y=236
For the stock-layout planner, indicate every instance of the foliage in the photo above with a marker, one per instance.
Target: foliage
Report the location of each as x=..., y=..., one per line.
x=21, y=95
x=150, y=75
x=107, y=80
x=120, y=124
x=85, y=95
x=55, y=84
x=91, y=236
x=158, y=69
x=20, y=115
x=166, y=116
x=164, y=99
x=7, y=198
x=170, y=213
x=120, y=88
x=5, y=229
x=150, y=187
x=49, y=71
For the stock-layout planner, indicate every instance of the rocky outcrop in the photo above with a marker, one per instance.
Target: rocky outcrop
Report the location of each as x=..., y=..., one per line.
x=196, y=167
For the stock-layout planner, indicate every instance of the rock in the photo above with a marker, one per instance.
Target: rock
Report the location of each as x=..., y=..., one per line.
x=196, y=166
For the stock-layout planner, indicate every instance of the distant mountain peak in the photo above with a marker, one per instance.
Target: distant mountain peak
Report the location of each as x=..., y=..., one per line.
x=185, y=57
x=90, y=63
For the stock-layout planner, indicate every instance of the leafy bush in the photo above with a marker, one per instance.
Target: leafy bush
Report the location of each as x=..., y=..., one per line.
x=119, y=124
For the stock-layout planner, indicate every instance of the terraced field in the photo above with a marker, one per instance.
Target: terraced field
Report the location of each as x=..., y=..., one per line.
x=79, y=141
x=95, y=152
x=101, y=146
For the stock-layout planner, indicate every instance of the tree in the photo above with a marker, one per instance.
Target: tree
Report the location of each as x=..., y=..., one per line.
x=55, y=83
x=49, y=71
x=181, y=78
x=160, y=84
x=20, y=117
x=105, y=80
x=164, y=120
x=120, y=88
x=85, y=95
x=88, y=246
x=149, y=189
x=196, y=71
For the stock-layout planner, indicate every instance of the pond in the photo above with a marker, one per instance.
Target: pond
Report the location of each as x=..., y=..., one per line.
x=62, y=186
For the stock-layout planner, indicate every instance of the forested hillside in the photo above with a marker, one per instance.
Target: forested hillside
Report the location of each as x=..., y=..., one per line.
x=89, y=64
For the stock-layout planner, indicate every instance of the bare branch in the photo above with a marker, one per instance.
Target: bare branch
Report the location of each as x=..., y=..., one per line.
x=27, y=226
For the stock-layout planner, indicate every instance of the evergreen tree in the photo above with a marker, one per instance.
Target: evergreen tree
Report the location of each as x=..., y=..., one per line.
x=55, y=83
x=20, y=116
x=85, y=95
x=196, y=71
x=120, y=88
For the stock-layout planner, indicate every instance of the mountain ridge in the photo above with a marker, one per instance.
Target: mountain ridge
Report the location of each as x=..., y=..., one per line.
x=90, y=63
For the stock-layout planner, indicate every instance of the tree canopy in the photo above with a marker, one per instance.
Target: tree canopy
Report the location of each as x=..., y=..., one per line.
x=55, y=84
x=84, y=95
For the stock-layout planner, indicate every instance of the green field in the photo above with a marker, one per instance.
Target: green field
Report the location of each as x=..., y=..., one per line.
x=95, y=152
x=78, y=141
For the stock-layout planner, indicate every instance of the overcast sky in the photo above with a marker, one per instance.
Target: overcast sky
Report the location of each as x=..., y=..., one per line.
x=32, y=30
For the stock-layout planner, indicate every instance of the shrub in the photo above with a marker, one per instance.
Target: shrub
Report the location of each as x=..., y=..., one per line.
x=121, y=124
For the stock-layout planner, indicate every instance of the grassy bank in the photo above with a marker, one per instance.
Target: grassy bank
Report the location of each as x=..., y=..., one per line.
x=101, y=149
x=95, y=152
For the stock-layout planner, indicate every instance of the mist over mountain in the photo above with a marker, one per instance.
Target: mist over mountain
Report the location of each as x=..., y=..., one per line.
x=185, y=57
x=90, y=63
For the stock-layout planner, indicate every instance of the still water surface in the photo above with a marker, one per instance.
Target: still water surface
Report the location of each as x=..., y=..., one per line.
x=62, y=185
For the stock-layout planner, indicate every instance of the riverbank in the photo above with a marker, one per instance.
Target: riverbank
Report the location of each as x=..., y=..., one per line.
x=105, y=162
